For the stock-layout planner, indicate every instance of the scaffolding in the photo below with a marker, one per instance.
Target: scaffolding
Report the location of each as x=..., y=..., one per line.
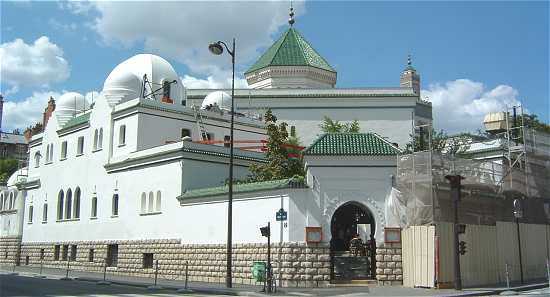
x=517, y=165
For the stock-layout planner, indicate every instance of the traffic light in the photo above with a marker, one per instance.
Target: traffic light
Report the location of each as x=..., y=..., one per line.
x=265, y=231
x=462, y=247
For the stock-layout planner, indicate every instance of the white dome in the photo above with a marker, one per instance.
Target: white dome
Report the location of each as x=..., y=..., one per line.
x=68, y=105
x=217, y=98
x=126, y=81
x=17, y=176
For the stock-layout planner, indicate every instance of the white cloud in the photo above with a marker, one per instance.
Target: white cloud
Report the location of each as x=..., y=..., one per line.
x=58, y=26
x=76, y=7
x=461, y=105
x=10, y=91
x=91, y=96
x=24, y=113
x=183, y=30
x=34, y=64
x=212, y=83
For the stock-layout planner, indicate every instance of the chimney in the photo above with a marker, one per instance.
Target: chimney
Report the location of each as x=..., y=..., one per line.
x=28, y=134
x=48, y=111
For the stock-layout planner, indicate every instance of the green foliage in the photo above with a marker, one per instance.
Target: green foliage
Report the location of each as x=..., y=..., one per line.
x=7, y=168
x=279, y=165
x=532, y=121
x=330, y=126
x=440, y=142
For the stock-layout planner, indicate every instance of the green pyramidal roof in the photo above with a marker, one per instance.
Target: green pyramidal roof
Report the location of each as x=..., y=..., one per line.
x=291, y=50
x=351, y=144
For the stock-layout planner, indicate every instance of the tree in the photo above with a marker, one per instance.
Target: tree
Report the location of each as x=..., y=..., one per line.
x=279, y=164
x=7, y=168
x=330, y=126
x=440, y=142
x=532, y=121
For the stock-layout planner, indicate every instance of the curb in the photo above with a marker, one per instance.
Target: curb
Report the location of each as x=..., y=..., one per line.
x=168, y=287
x=498, y=291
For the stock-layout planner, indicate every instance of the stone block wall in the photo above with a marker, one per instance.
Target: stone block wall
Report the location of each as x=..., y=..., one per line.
x=389, y=264
x=10, y=247
x=299, y=264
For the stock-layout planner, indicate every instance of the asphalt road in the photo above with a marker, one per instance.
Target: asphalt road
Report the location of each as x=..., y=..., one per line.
x=30, y=286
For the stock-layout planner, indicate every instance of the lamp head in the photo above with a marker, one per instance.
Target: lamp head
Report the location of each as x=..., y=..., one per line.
x=216, y=48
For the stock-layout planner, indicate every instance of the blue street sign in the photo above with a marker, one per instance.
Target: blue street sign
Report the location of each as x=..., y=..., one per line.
x=281, y=215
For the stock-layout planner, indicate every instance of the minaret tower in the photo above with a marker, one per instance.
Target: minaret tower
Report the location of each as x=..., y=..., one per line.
x=291, y=62
x=409, y=77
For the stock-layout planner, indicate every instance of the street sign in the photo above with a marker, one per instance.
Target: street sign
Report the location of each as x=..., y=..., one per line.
x=281, y=215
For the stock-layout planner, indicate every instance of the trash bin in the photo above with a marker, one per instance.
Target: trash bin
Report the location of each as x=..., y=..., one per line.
x=258, y=271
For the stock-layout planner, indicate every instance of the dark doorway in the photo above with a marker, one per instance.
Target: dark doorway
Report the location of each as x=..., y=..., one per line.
x=357, y=260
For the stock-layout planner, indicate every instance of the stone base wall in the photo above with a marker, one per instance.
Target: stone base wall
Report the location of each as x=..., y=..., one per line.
x=389, y=265
x=10, y=247
x=301, y=264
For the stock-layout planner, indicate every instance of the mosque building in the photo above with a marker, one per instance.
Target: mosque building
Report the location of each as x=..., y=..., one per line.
x=138, y=175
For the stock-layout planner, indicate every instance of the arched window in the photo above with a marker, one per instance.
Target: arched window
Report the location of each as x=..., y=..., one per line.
x=60, y=200
x=30, y=213
x=51, y=152
x=115, y=204
x=69, y=204
x=10, y=206
x=94, y=207
x=158, y=202
x=122, y=135
x=100, y=139
x=143, y=202
x=37, y=159
x=95, y=139
x=47, y=153
x=76, y=203
x=63, y=150
x=151, y=202
x=45, y=213
x=1, y=201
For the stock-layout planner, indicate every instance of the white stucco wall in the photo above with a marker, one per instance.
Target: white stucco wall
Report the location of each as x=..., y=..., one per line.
x=339, y=180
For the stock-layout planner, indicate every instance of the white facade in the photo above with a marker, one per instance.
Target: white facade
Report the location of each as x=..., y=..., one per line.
x=123, y=164
x=391, y=112
x=107, y=157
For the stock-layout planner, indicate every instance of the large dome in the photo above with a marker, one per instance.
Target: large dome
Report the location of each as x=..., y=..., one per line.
x=68, y=105
x=218, y=98
x=126, y=81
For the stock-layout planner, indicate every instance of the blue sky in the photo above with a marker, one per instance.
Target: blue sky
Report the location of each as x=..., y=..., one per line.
x=472, y=57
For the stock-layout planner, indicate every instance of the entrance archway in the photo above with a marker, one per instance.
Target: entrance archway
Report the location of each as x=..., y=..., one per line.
x=357, y=261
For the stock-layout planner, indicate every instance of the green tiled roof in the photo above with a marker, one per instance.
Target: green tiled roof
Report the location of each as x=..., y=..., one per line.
x=244, y=188
x=291, y=50
x=81, y=119
x=351, y=144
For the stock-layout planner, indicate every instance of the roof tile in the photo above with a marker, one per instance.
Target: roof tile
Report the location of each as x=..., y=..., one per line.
x=351, y=144
x=291, y=50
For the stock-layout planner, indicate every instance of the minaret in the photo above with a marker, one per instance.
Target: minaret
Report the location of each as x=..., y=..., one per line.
x=409, y=77
x=291, y=62
x=1, y=110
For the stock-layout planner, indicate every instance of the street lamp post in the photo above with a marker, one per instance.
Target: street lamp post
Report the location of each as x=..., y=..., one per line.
x=217, y=49
x=518, y=214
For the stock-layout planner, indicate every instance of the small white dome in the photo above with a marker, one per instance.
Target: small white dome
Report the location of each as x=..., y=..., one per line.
x=218, y=98
x=126, y=80
x=68, y=105
x=17, y=176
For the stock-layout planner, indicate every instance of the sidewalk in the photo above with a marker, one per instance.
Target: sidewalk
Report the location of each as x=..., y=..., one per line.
x=248, y=290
